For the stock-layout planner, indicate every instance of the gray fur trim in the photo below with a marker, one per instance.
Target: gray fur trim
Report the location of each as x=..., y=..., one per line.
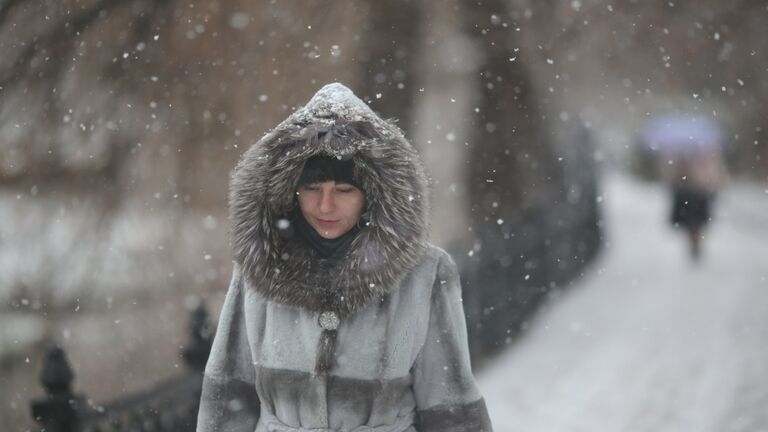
x=262, y=190
x=221, y=399
x=471, y=417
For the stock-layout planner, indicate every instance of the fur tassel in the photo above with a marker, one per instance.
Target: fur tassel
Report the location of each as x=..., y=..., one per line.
x=326, y=348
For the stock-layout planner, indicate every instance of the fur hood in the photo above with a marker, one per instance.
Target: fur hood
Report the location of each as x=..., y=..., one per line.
x=280, y=267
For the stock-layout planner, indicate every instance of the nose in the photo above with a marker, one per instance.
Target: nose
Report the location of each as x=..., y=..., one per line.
x=327, y=201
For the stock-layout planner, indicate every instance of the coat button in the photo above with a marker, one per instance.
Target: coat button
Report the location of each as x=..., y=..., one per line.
x=328, y=320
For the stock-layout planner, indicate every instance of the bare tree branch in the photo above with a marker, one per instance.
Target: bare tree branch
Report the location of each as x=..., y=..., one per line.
x=5, y=8
x=55, y=43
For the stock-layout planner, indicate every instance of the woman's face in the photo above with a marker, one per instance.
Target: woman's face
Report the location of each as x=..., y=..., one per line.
x=331, y=208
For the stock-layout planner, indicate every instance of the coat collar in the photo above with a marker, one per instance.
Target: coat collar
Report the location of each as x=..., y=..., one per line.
x=277, y=263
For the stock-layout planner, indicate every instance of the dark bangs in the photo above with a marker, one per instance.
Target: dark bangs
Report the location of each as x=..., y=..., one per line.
x=318, y=169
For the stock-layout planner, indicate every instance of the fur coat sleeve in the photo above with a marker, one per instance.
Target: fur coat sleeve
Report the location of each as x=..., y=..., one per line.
x=447, y=398
x=229, y=401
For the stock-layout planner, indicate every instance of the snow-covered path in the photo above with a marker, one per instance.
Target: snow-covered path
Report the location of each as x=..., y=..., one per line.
x=647, y=341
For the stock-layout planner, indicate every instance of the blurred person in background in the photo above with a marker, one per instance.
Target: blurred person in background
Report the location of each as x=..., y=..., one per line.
x=340, y=316
x=695, y=180
x=689, y=150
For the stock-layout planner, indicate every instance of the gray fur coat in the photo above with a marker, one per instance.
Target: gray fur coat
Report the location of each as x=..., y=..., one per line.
x=375, y=342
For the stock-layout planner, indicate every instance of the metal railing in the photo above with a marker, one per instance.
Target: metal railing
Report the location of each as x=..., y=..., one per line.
x=170, y=405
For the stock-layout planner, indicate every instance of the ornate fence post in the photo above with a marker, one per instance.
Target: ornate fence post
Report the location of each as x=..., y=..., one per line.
x=167, y=406
x=58, y=410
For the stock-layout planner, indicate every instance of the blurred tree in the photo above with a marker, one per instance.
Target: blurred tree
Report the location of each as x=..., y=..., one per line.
x=619, y=64
x=515, y=181
x=389, y=58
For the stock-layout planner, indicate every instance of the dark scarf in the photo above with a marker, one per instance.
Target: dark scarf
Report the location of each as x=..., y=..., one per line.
x=330, y=249
x=333, y=251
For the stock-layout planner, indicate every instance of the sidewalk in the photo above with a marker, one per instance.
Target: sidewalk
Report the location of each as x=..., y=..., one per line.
x=647, y=341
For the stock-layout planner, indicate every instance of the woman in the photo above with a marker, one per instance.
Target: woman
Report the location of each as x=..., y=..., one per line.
x=340, y=315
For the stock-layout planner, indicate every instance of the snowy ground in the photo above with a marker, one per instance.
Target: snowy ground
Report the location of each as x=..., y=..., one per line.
x=648, y=341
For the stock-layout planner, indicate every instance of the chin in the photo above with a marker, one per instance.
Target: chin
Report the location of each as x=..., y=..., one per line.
x=327, y=234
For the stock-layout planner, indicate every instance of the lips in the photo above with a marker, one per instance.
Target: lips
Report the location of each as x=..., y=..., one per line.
x=326, y=223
